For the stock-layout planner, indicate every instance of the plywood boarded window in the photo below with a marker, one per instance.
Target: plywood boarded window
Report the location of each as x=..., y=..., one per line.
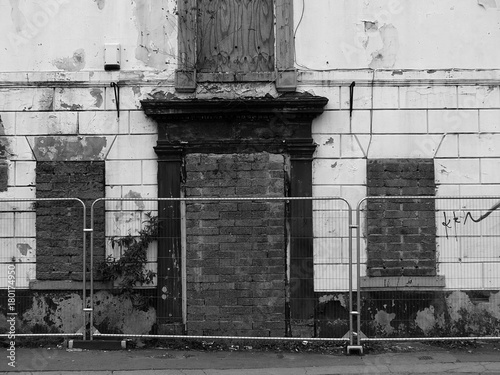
x=235, y=41
x=235, y=36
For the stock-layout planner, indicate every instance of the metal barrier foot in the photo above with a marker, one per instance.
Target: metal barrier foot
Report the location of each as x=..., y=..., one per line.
x=98, y=344
x=354, y=349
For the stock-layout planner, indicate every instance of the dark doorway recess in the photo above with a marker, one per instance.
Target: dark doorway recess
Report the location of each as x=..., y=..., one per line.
x=262, y=138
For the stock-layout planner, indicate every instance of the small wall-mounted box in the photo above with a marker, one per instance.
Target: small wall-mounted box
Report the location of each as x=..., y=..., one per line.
x=112, y=56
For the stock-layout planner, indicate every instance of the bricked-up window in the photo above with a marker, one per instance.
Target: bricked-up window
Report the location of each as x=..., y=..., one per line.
x=235, y=36
x=59, y=225
x=401, y=233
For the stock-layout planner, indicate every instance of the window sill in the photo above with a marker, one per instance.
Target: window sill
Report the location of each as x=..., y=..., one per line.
x=402, y=283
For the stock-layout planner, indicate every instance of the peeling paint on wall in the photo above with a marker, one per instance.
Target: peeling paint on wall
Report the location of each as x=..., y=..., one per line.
x=134, y=195
x=38, y=314
x=72, y=107
x=332, y=314
x=474, y=318
x=97, y=94
x=72, y=64
x=494, y=305
x=383, y=321
x=161, y=95
x=333, y=297
x=157, y=40
x=69, y=148
x=236, y=90
x=4, y=142
x=62, y=312
x=100, y=4
x=386, y=56
x=136, y=90
x=4, y=152
x=370, y=26
x=330, y=141
x=433, y=314
x=487, y=4
x=23, y=248
x=46, y=102
x=456, y=302
x=426, y=320
x=118, y=314
x=4, y=175
x=4, y=145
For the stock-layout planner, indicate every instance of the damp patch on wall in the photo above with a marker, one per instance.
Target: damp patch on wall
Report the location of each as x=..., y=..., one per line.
x=69, y=148
x=54, y=312
x=157, y=33
x=74, y=63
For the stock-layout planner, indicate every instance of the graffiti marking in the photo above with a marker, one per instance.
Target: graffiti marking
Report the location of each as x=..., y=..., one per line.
x=484, y=216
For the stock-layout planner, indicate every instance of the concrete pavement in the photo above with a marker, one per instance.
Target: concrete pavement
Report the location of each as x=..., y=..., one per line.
x=423, y=360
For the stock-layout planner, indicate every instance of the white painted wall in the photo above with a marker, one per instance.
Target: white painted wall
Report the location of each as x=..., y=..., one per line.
x=39, y=35
x=397, y=34
x=48, y=35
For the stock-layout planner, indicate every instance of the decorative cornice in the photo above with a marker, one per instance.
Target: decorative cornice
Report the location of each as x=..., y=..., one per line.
x=275, y=125
x=169, y=152
x=287, y=106
x=301, y=149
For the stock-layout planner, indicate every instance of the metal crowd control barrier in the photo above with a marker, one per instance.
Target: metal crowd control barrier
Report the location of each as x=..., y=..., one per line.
x=231, y=250
x=29, y=230
x=457, y=239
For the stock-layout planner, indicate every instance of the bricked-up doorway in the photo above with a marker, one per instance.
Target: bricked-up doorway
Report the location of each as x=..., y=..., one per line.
x=259, y=147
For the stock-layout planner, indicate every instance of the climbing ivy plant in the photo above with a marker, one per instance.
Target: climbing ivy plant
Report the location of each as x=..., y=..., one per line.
x=130, y=268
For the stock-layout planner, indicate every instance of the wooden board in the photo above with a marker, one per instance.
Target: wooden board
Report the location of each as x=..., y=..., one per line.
x=235, y=36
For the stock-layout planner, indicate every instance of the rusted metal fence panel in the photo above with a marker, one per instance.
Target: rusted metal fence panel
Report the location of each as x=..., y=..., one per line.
x=428, y=268
x=223, y=267
x=42, y=241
